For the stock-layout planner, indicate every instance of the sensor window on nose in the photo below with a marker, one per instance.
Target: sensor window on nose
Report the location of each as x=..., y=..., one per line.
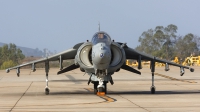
x=101, y=55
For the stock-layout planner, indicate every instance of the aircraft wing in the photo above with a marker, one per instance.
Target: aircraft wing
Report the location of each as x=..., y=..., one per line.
x=65, y=55
x=134, y=54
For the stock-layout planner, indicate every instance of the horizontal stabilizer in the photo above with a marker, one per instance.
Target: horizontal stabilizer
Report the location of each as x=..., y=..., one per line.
x=128, y=68
x=69, y=68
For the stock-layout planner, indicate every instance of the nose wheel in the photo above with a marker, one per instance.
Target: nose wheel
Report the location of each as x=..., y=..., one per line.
x=103, y=89
x=100, y=89
x=95, y=87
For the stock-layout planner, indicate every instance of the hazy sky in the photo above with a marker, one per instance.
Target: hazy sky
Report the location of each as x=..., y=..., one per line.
x=60, y=24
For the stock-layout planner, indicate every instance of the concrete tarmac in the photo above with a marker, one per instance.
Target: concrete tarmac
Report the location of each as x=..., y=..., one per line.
x=130, y=92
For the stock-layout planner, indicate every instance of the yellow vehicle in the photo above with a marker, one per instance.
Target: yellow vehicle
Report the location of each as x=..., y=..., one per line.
x=146, y=63
x=128, y=63
x=176, y=60
x=191, y=61
x=131, y=63
x=135, y=63
x=159, y=64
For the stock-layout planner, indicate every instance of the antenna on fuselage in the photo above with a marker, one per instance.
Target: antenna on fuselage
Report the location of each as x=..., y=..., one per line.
x=99, y=26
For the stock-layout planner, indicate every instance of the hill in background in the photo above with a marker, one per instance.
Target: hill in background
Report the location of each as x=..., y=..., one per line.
x=32, y=52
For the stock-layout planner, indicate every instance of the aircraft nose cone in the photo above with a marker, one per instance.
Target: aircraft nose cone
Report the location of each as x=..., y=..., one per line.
x=102, y=58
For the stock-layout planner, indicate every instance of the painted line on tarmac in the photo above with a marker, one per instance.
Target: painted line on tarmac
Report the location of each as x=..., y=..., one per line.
x=171, y=78
x=134, y=103
x=20, y=97
x=105, y=97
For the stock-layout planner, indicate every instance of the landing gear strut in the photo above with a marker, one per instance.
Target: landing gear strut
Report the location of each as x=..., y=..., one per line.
x=153, y=88
x=103, y=89
x=47, y=90
x=100, y=89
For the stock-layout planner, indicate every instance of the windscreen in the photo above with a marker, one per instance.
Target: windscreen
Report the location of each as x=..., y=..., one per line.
x=101, y=37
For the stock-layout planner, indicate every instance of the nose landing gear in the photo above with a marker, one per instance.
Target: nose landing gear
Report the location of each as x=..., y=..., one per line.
x=101, y=89
x=95, y=87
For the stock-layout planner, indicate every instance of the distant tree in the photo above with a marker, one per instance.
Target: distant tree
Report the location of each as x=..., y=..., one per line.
x=158, y=42
x=7, y=64
x=10, y=53
x=197, y=40
x=164, y=43
x=186, y=46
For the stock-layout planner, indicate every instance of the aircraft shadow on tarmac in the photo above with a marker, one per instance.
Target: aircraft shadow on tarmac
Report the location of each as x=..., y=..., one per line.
x=121, y=92
x=82, y=92
x=156, y=93
x=129, y=92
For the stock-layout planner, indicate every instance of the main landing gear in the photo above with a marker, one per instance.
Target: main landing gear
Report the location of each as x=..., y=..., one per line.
x=153, y=88
x=47, y=90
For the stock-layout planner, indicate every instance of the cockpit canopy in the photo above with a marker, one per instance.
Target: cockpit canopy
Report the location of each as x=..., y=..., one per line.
x=101, y=37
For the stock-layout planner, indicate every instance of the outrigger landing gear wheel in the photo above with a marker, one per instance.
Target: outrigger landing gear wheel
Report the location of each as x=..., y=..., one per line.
x=153, y=89
x=47, y=91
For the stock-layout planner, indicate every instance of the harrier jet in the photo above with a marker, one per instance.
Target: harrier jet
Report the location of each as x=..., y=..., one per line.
x=100, y=59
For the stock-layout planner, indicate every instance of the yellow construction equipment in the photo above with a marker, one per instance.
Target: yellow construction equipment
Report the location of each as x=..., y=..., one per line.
x=135, y=63
x=192, y=61
x=146, y=63
x=159, y=64
x=132, y=63
x=176, y=60
x=128, y=63
x=189, y=61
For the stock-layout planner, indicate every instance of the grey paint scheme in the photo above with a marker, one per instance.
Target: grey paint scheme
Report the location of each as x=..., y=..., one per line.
x=117, y=61
x=84, y=57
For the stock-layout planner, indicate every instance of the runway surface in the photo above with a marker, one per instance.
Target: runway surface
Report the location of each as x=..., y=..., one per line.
x=130, y=92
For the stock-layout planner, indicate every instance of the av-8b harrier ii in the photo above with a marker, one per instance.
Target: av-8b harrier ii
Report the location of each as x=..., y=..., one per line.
x=100, y=59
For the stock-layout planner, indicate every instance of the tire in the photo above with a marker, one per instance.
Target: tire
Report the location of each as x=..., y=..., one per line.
x=47, y=91
x=105, y=89
x=101, y=89
x=95, y=87
x=153, y=89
